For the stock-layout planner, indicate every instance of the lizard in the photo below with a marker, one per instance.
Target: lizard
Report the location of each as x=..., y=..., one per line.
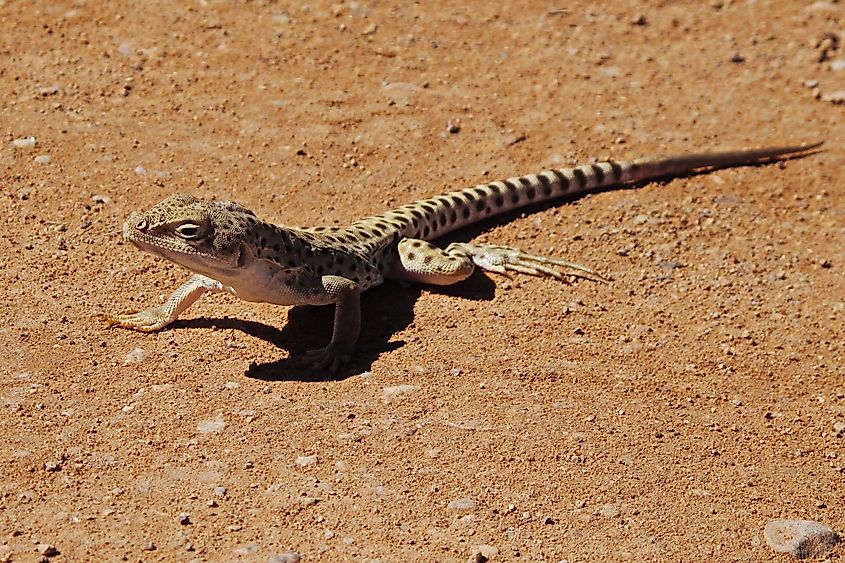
x=230, y=249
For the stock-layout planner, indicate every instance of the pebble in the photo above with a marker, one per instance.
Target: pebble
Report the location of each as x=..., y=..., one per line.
x=286, y=557
x=837, y=65
x=610, y=511
x=211, y=426
x=462, y=504
x=140, y=170
x=389, y=393
x=839, y=429
x=134, y=356
x=837, y=97
x=220, y=491
x=42, y=159
x=247, y=548
x=53, y=466
x=47, y=550
x=801, y=538
x=24, y=143
x=306, y=460
x=185, y=519
x=482, y=553
x=49, y=90
x=101, y=199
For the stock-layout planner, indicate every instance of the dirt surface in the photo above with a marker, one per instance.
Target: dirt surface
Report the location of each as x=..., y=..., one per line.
x=665, y=416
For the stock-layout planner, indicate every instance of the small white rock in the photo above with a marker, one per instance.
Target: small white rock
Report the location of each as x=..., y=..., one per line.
x=140, y=170
x=134, y=356
x=389, y=393
x=214, y=426
x=24, y=143
x=42, y=159
x=486, y=552
x=801, y=538
x=306, y=460
x=286, y=557
x=462, y=504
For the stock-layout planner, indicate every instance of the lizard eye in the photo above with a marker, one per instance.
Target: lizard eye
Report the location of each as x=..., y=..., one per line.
x=188, y=231
x=141, y=225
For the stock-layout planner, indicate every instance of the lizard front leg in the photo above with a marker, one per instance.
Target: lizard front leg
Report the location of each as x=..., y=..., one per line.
x=347, y=324
x=156, y=318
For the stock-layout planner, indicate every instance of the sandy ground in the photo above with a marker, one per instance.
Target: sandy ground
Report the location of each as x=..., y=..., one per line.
x=665, y=416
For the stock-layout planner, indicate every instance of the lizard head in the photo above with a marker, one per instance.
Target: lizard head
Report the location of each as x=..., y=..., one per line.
x=202, y=236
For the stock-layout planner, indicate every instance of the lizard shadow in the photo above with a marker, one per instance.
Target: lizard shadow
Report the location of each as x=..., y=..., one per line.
x=386, y=310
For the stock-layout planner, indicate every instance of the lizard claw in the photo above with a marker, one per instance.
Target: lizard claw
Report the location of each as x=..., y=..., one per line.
x=328, y=358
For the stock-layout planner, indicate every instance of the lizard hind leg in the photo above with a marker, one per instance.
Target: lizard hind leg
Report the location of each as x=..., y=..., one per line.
x=422, y=262
x=506, y=259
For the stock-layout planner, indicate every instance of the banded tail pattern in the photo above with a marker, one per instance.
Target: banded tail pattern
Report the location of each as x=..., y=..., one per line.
x=434, y=217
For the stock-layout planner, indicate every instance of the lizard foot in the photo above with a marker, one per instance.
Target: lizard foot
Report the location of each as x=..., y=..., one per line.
x=504, y=259
x=149, y=320
x=330, y=358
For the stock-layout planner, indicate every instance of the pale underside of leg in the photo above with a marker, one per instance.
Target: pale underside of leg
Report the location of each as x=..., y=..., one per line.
x=156, y=318
x=422, y=262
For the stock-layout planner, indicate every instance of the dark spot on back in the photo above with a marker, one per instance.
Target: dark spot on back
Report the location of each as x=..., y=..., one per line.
x=416, y=244
x=499, y=201
x=465, y=213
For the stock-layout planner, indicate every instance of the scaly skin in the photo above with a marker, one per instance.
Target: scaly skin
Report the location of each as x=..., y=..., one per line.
x=230, y=249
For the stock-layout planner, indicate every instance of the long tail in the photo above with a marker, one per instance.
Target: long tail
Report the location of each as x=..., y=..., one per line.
x=434, y=217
